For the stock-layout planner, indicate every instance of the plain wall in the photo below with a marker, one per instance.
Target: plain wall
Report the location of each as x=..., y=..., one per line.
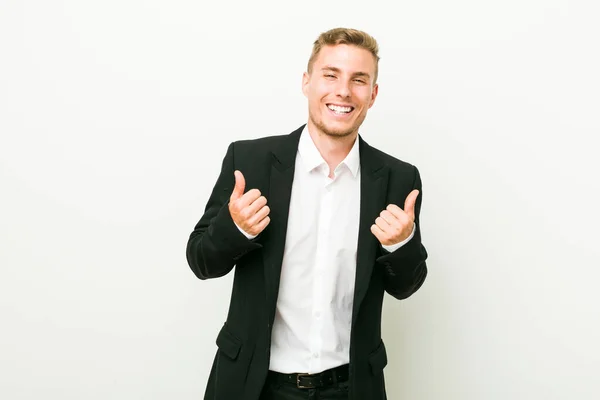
x=115, y=116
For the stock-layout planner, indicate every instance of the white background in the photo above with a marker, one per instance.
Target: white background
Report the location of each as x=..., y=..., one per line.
x=115, y=116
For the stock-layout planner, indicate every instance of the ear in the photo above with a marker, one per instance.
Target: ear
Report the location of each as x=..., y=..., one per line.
x=374, y=95
x=305, y=83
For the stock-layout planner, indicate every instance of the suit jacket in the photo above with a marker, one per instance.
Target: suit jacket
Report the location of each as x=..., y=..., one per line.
x=216, y=245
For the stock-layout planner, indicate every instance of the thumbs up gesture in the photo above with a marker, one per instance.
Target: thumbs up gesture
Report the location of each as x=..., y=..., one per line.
x=248, y=210
x=394, y=224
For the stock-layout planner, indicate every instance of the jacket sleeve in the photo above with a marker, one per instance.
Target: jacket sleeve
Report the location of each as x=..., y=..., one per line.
x=216, y=243
x=405, y=269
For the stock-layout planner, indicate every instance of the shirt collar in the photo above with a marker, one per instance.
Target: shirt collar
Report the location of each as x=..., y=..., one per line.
x=311, y=158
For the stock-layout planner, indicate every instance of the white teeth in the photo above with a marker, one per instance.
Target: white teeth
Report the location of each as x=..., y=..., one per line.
x=339, y=109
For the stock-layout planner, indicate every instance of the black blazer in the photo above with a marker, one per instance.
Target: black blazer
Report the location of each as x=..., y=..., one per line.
x=216, y=245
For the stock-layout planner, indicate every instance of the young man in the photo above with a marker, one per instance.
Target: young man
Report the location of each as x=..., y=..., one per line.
x=318, y=224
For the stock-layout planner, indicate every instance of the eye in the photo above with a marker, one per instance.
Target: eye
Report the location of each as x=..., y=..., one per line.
x=361, y=81
x=329, y=76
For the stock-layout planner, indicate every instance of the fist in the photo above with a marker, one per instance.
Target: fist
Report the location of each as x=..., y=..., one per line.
x=248, y=210
x=394, y=224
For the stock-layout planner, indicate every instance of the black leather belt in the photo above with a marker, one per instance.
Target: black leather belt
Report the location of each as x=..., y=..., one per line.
x=311, y=381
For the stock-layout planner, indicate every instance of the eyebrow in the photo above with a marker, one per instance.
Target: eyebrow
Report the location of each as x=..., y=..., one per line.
x=335, y=69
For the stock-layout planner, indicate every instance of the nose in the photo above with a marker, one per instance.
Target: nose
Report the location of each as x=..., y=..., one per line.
x=343, y=88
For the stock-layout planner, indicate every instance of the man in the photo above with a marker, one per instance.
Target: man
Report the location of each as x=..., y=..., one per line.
x=318, y=225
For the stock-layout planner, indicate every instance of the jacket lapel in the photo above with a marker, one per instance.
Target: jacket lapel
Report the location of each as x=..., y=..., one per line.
x=278, y=199
x=373, y=188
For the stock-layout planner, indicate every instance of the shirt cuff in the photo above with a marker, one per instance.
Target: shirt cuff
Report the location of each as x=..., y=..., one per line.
x=249, y=236
x=393, y=247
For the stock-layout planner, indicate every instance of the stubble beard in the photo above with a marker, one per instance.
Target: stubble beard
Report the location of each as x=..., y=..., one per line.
x=334, y=134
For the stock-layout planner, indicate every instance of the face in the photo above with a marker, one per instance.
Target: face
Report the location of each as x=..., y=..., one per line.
x=340, y=89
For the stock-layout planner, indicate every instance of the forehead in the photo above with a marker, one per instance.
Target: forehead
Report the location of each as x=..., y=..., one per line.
x=345, y=57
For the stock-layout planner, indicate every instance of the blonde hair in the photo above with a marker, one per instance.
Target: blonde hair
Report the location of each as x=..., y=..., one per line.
x=349, y=36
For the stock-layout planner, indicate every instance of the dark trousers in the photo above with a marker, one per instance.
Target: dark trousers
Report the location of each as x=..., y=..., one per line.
x=275, y=390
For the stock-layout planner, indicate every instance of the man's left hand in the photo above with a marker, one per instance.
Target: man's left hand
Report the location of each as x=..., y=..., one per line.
x=394, y=224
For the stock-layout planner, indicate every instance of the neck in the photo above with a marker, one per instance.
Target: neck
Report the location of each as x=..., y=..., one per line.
x=333, y=149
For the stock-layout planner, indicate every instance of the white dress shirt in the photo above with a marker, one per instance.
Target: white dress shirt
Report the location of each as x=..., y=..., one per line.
x=311, y=331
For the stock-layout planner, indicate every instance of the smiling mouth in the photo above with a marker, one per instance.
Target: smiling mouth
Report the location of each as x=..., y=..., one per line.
x=340, y=110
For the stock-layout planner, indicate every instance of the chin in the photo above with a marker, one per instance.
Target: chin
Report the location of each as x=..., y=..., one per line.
x=342, y=131
x=335, y=130
x=338, y=132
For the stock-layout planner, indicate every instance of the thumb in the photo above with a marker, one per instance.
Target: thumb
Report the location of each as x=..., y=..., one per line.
x=240, y=185
x=409, y=204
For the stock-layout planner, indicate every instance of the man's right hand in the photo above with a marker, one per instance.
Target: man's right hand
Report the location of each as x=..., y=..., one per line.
x=248, y=210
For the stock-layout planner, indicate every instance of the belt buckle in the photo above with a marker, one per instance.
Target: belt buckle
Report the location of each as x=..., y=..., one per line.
x=298, y=385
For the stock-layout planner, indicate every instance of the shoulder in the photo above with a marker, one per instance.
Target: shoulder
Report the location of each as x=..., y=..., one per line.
x=396, y=165
x=265, y=143
x=403, y=176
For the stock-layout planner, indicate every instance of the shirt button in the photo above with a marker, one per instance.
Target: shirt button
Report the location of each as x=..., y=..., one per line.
x=318, y=314
x=315, y=355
